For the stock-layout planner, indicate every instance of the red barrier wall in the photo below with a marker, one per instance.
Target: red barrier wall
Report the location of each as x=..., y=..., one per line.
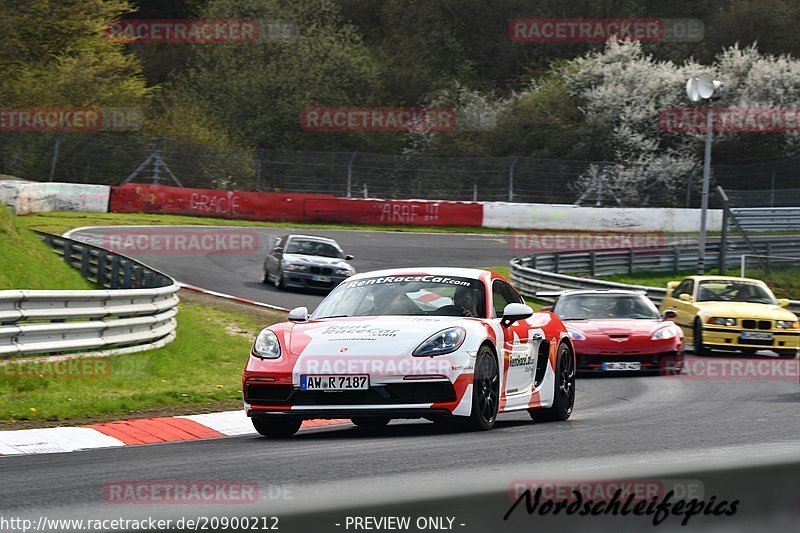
x=135, y=198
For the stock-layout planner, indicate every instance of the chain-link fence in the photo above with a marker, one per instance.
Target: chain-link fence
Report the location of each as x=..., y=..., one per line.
x=114, y=158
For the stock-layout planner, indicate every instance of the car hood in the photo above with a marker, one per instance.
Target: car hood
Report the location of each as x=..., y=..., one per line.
x=372, y=336
x=316, y=260
x=615, y=326
x=745, y=310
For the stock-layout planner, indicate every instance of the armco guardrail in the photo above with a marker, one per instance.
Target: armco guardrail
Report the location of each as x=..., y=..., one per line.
x=758, y=219
x=560, y=271
x=137, y=312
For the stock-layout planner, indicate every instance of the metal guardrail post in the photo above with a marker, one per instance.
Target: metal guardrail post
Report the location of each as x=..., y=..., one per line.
x=68, y=253
x=84, y=262
x=630, y=261
x=127, y=281
x=723, y=243
x=676, y=260
x=101, y=269
x=592, y=263
x=114, y=281
x=555, y=262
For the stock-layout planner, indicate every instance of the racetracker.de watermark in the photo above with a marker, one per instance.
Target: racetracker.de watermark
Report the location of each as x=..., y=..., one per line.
x=385, y=119
x=599, y=30
x=533, y=242
x=171, y=241
x=730, y=120
x=192, y=491
x=73, y=368
x=200, y=31
x=733, y=369
x=71, y=119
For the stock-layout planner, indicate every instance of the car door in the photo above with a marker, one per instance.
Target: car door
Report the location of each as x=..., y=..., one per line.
x=520, y=346
x=273, y=261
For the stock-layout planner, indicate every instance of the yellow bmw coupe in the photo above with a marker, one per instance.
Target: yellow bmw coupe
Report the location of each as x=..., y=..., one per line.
x=732, y=314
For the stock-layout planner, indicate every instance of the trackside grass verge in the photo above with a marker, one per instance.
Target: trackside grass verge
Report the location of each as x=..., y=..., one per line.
x=27, y=263
x=61, y=222
x=198, y=372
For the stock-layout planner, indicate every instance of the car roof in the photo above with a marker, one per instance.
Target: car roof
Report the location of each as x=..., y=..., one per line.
x=310, y=238
x=472, y=273
x=725, y=278
x=575, y=292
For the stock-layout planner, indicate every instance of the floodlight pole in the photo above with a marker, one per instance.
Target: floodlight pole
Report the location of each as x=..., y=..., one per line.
x=701, y=256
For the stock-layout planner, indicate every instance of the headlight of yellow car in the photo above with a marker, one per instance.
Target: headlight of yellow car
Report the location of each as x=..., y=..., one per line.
x=787, y=324
x=719, y=321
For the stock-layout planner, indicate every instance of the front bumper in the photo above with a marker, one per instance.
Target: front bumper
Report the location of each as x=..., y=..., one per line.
x=306, y=280
x=662, y=362
x=399, y=400
x=730, y=338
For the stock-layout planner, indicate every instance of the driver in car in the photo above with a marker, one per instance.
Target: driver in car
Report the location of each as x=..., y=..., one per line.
x=467, y=300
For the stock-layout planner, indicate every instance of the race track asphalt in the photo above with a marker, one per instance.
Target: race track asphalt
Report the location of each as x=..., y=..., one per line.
x=619, y=422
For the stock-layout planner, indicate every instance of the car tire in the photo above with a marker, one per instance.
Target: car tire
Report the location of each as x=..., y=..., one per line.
x=697, y=334
x=277, y=426
x=265, y=279
x=370, y=422
x=279, y=280
x=485, y=391
x=564, y=394
x=786, y=354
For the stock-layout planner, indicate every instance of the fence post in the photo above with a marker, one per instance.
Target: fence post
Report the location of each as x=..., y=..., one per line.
x=84, y=262
x=772, y=188
x=511, y=178
x=723, y=242
x=259, y=163
x=769, y=253
x=350, y=175
x=475, y=191
x=101, y=268
x=54, y=158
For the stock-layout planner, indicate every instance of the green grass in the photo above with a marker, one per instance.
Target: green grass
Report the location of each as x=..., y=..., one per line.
x=27, y=263
x=61, y=222
x=201, y=368
x=784, y=281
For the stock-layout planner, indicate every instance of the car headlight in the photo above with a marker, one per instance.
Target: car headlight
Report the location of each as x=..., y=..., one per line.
x=443, y=342
x=787, y=324
x=267, y=345
x=344, y=272
x=296, y=268
x=667, y=332
x=576, y=335
x=719, y=321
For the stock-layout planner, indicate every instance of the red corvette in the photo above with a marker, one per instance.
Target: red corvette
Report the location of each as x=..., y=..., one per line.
x=619, y=331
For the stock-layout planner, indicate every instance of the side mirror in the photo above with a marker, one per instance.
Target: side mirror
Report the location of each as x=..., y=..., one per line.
x=348, y=257
x=783, y=302
x=514, y=312
x=670, y=314
x=298, y=314
x=685, y=297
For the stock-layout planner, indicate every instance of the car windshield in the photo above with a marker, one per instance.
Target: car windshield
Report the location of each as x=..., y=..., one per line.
x=734, y=291
x=598, y=306
x=406, y=295
x=309, y=247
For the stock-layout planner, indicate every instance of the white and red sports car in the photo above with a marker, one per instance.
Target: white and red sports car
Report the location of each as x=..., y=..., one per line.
x=446, y=344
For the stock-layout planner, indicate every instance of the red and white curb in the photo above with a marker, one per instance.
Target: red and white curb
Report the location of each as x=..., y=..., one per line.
x=135, y=432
